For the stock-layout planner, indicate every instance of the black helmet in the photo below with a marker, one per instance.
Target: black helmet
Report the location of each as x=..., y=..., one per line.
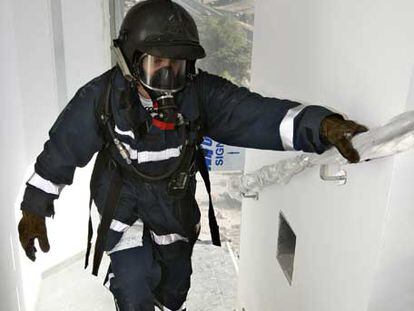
x=161, y=28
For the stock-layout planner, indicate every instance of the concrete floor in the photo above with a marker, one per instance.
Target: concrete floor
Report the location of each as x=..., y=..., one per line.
x=71, y=288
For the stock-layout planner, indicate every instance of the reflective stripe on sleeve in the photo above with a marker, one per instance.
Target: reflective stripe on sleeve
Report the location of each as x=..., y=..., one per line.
x=45, y=185
x=286, y=127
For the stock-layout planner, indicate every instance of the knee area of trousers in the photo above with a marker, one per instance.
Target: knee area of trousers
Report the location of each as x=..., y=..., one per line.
x=135, y=303
x=121, y=306
x=173, y=300
x=142, y=278
x=132, y=294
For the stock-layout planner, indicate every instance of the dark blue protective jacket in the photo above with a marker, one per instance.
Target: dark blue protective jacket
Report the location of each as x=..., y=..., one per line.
x=230, y=114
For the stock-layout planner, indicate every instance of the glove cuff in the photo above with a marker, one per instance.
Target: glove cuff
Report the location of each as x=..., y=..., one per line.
x=38, y=202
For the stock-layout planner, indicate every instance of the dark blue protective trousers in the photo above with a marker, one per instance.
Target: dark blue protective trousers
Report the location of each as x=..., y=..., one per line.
x=140, y=276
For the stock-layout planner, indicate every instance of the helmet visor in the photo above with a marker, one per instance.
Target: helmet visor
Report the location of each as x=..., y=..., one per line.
x=162, y=74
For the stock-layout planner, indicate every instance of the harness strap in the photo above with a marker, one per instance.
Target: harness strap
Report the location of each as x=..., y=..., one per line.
x=108, y=214
x=90, y=235
x=212, y=221
x=100, y=163
x=202, y=167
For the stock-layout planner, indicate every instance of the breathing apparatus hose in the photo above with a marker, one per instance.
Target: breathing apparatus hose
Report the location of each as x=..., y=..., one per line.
x=124, y=152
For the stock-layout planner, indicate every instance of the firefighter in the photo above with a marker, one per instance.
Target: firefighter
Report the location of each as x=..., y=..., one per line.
x=146, y=118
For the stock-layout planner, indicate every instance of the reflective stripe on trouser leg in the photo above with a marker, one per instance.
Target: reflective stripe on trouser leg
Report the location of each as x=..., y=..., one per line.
x=163, y=308
x=116, y=305
x=180, y=309
x=118, y=226
x=167, y=239
x=107, y=283
x=136, y=276
x=175, y=260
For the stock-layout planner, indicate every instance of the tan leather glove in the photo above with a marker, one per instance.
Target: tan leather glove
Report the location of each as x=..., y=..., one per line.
x=32, y=226
x=338, y=132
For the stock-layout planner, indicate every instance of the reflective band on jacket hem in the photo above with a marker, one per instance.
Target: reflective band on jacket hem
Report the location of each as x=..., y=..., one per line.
x=286, y=127
x=118, y=226
x=147, y=156
x=45, y=185
x=167, y=238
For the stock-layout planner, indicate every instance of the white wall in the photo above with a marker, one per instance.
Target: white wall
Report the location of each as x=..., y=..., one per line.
x=394, y=280
x=50, y=49
x=28, y=102
x=12, y=136
x=86, y=53
x=357, y=57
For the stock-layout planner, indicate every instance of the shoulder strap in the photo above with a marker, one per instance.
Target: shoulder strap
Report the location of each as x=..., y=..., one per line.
x=108, y=214
x=102, y=160
x=100, y=164
x=212, y=221
x=104, y=111
x=202, y=167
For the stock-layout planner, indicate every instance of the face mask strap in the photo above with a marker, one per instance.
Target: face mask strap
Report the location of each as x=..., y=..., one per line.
x=121, y=61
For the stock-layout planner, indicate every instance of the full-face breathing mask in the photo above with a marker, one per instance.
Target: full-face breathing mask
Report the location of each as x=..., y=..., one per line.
x=162, y=78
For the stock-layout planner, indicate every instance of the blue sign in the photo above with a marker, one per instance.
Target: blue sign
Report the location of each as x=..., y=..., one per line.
x=220, y=157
